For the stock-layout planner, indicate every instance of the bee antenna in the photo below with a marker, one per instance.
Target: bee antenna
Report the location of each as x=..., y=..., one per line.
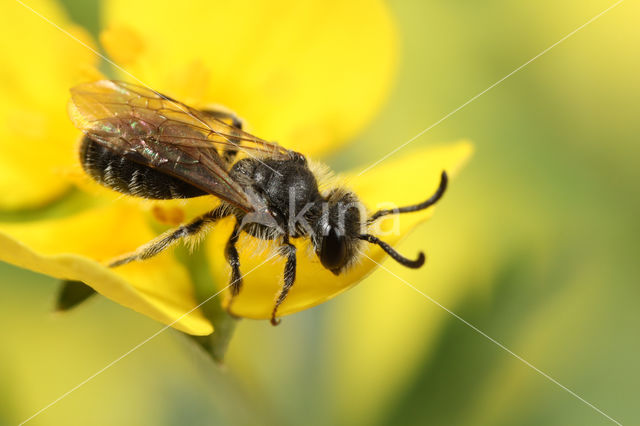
x=444, y=180
x=394, y=254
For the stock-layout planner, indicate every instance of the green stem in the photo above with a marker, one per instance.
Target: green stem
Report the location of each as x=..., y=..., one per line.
x=224, y=325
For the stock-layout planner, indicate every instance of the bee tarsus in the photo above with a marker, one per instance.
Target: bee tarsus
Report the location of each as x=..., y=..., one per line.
x=289, y=251
x=233, y=258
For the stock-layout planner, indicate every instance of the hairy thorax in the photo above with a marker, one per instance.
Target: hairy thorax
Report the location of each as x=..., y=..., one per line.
x=287, y=189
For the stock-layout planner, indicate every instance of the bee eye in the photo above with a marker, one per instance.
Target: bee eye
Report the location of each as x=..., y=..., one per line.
x=333, y=252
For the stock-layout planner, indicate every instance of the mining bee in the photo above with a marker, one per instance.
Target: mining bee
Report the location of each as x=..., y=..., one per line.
x=142, y=143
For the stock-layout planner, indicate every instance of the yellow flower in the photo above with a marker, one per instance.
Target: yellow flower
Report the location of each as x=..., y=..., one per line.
x=298, y=72
x=36, y=137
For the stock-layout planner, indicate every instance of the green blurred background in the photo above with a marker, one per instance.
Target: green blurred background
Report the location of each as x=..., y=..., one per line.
x=536, y=244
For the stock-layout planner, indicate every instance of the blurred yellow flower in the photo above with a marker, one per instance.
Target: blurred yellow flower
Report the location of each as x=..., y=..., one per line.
x=36, y=137
x=297, y=74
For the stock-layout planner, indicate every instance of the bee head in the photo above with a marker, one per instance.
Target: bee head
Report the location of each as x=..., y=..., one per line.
x=336, y=234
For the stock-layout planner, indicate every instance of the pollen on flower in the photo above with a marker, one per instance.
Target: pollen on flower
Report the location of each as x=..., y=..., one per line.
x=168, y=215
x=123, y=44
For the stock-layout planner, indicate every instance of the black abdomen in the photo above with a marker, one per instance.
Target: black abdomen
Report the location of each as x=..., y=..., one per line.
x=128, y=177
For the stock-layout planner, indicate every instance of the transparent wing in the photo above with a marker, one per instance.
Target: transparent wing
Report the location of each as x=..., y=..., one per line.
x=152, y=129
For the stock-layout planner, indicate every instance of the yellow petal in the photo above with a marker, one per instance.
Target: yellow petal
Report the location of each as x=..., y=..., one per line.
x=307, y=74
x=38, y=67
x=403, y=181
x=76, y=247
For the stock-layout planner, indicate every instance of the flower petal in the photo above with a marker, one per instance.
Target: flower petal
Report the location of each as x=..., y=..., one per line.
x=38, y=67
x=307, y=74
x=315, y=284
x=73, y=247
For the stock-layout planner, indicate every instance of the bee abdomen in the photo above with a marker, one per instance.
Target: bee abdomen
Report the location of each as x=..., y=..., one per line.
x=128, y=177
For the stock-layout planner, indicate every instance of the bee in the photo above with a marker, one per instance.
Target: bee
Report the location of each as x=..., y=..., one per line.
x=142, y=143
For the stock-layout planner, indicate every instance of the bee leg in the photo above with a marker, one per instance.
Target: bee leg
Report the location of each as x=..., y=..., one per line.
x=170, y=237
x=224, y=114
x=234, y=261
x=288, y=250
x=230, y=153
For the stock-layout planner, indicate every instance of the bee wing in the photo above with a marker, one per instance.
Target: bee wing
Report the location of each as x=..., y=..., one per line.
x=157, y=131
